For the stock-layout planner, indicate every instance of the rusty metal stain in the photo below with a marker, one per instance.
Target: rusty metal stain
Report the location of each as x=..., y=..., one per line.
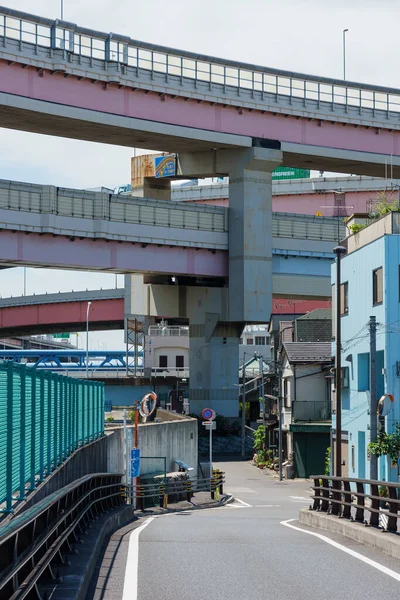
x=142, y=166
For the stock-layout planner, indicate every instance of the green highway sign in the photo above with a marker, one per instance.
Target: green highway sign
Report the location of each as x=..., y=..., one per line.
x=61, y=336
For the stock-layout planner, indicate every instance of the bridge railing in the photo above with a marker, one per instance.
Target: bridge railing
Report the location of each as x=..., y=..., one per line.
x=95, y=205
x=39, y=540
x=371, y=502
x=44, y=417
x=260, y=83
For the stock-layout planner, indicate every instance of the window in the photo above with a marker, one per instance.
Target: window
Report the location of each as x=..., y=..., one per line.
x=260, y=341
x=345, y=378
x=241, y=341
x=249, y=341
x=344, y=298
x=377, y=291
x=179, y=360
x=286, y=393
x=363, y=372
x=163, y=361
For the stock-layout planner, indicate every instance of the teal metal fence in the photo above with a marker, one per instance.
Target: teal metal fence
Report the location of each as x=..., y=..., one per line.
x=44, y=417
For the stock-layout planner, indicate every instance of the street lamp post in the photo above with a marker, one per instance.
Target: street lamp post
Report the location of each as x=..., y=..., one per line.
x=344, y=53
x=339, y=250
x=62, y=10
x=87, y=338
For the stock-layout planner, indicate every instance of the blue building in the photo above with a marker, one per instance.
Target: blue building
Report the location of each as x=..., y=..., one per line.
x=370, y=287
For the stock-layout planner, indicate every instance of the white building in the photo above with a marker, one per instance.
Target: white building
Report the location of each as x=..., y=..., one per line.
x=167, y=347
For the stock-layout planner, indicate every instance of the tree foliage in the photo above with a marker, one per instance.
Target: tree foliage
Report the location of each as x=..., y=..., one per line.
x=387, y=444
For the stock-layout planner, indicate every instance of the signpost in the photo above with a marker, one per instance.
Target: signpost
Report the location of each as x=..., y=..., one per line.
x=135, y=462
x=209, y=415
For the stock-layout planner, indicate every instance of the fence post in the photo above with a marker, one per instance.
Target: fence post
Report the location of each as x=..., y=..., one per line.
x=374, y=519
x=22, y=430
x=360, y=502
x=162, y=495
x=32, y=375
x=41, y=417
x=188, y=490
x=10, y=407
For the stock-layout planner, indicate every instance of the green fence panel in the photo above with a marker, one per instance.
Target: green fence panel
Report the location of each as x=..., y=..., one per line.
x=16, y=431
x=24, y=432
x=31, y=419
x=43, y=418
x=3, y=433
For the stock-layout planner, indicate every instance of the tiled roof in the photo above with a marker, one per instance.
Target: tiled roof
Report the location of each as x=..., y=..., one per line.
x=318, y=313
x=308, y=352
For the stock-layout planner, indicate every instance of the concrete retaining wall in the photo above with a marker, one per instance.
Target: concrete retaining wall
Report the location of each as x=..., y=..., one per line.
x=384, y=541
x=176, y=440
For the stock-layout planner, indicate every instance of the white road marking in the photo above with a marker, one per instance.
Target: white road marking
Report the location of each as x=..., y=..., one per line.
x=244, y=503
x=302, y=501
x=264, y=506
x=368, y=561
x=132, y=562
x=300, y=498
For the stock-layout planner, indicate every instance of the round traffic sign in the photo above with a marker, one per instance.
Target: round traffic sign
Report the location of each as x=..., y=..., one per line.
x=208, y=414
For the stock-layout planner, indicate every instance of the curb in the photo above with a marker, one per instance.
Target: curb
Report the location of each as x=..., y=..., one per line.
x=370, y=536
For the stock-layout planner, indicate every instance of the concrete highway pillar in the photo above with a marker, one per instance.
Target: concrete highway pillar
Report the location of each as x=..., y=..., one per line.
x=214, y=365
x=156, y=188
x=250, y=234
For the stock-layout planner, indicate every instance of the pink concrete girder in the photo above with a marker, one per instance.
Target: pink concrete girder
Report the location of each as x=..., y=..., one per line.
x=60, y=316
x=179, y=110
x=19, y=248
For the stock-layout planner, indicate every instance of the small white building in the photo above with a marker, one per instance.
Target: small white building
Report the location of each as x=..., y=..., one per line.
x=306, y=410
x=255, y=339
x=167, y=349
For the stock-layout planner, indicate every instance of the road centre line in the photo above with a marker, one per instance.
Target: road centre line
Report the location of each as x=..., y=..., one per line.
x=368, y=561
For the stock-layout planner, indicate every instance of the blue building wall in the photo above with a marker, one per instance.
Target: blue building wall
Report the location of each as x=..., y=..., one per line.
x=357, y=270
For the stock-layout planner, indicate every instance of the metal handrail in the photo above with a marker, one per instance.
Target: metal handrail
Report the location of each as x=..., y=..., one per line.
x=30, y=542
x=203, y=70
x=347, y=497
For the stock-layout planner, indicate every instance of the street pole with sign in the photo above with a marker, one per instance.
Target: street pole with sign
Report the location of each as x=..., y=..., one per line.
x=209, y=415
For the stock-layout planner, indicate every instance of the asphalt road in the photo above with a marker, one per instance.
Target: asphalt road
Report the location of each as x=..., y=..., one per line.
x=243, y=551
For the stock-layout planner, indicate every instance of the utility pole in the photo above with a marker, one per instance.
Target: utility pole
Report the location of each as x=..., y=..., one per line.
x=373, y=399
x=280, y=421
x=339, y=250
x=244, y=408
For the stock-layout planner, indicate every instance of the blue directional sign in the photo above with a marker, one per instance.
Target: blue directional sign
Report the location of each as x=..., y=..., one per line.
x=135, y=462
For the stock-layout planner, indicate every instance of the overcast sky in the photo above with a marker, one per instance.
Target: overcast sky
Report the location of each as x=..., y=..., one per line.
x=296, y=35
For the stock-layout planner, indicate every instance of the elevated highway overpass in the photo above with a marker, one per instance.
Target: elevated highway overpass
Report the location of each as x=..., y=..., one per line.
x=222, y=118
x=104, y=87
x=45, y=226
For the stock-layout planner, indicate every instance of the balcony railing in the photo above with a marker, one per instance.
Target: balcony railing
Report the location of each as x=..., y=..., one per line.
x=173, y=331
x=311, y=410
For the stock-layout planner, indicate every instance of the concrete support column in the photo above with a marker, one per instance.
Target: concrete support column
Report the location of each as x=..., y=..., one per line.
x=250, y=234
x=157, y=188
x=214, y=365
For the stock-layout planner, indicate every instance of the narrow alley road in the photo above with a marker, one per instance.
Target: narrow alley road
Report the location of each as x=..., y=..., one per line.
x=254, y=548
